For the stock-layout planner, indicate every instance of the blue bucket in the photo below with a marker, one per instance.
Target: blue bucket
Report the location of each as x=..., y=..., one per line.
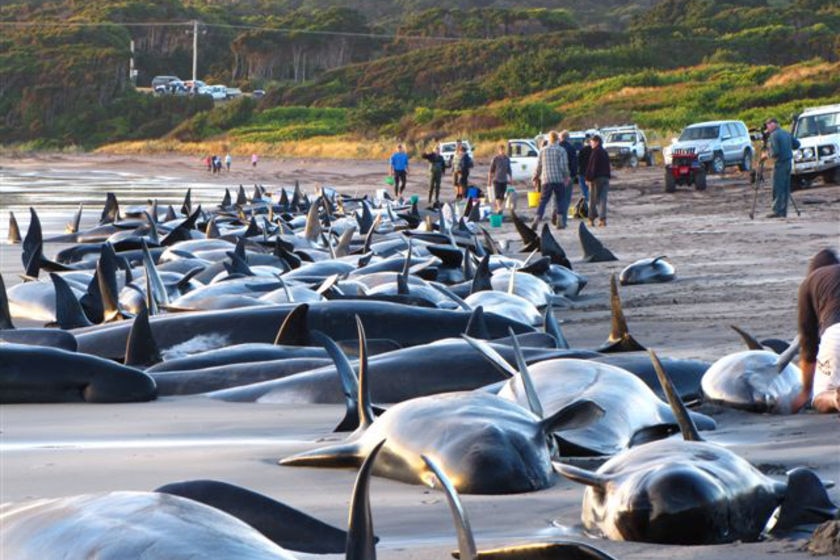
x=473, y=192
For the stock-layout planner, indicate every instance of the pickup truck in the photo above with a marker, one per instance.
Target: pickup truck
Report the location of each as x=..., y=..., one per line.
x=627, y=146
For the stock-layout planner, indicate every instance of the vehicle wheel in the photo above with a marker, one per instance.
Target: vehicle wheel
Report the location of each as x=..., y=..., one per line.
x=700, y=179
x=633, y=161
x=670, y=182
x=832, y=176
x=746, y=162
x=718, y=164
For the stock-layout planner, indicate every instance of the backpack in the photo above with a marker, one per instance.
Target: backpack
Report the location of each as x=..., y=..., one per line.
x=581, y=209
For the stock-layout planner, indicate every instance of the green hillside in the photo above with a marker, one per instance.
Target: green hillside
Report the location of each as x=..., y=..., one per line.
x=408, y=69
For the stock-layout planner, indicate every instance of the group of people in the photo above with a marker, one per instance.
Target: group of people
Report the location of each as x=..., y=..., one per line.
x=214, y=162
x=462, y=163
x=560, y=165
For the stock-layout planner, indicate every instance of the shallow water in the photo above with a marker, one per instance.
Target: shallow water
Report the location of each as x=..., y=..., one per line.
x=55, y=193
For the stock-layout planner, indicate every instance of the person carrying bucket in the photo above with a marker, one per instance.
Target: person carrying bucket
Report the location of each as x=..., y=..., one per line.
x=553, y=174
x=498, y=176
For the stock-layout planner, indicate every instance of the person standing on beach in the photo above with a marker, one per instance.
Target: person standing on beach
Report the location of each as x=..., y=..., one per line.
x=572, y=157
x=498, y=176
x=780, y=145
x=583, y=163
x=436, y=167
x=598, y=173
x=208, y=161
x=465, y=164
x=228, y=161
x=819, y=334
x=455, y=163
x=399, y=169
x=254, y=160
x=553, y=174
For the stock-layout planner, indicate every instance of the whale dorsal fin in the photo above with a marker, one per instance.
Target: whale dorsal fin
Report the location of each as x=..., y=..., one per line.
x=371, y=231
x=5, y=315
x=343, y=247
x=71, y=227
x=490, y=354
x=551, y=249
x=111, y=210
x=552, y=327
x=141, y=349
x=361, y=543
x=349, y=383
x=466, y=541
x=525, y=376
x=785, y=357
x=481, y=277
x=14, y=229
x=684, y=420
x=593, y=249
x=158, y=290
x=33, y=246
x=106, y=269
x=365, y=407
x=68, y=310
x=294, y=330
x=476, y=325
x=530, y=239
x=186, y=206
x=748, y=339
x=620, y=339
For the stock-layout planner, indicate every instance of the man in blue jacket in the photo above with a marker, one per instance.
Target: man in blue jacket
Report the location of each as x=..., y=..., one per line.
x=399, y=169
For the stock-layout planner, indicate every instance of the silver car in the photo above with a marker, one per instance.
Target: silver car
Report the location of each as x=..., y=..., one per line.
x=718, y=144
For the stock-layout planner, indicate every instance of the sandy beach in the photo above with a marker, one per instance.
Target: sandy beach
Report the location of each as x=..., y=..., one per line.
x=731, y=270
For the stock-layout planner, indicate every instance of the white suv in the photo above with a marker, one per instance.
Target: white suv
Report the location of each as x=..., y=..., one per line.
x=718, y=144
x=447, y=150
x=818, y=132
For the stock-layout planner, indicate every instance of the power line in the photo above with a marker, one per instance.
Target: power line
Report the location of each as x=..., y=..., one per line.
x=229, y=26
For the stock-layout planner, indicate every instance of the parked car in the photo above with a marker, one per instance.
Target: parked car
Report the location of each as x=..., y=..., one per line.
x=818, y=132
x=447, y=150
x=218, y=92
x=163, y=80
x=232, y=92
x=718, y=144
x=258, y=94
x=194, y=87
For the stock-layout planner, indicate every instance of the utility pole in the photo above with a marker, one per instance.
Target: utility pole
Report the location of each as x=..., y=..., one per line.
x=195, y=51
x=132, y=72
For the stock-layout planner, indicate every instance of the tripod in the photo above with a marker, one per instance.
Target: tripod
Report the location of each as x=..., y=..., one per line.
x=757, y=179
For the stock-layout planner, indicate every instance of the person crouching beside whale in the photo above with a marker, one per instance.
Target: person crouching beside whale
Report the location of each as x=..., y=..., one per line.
x=819, y=334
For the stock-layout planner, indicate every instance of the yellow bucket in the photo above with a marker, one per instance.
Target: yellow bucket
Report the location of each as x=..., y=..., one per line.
x=533, y=199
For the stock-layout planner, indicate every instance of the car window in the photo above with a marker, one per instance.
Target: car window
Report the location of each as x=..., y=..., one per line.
x=709, y=132
x=817, y=125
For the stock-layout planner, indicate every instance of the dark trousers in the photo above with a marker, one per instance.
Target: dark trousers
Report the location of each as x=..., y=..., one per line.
x=781, y=187
x=548, y=189
x=598, y=198
x=400, y=177
x=434, y=187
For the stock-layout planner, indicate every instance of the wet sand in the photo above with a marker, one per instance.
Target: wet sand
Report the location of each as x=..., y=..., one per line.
x=730, y=270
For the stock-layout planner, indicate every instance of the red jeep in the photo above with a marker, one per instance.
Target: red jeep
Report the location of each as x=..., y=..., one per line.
x=685, y=169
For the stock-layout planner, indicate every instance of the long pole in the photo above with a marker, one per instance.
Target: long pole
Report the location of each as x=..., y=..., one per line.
x=195, y=51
